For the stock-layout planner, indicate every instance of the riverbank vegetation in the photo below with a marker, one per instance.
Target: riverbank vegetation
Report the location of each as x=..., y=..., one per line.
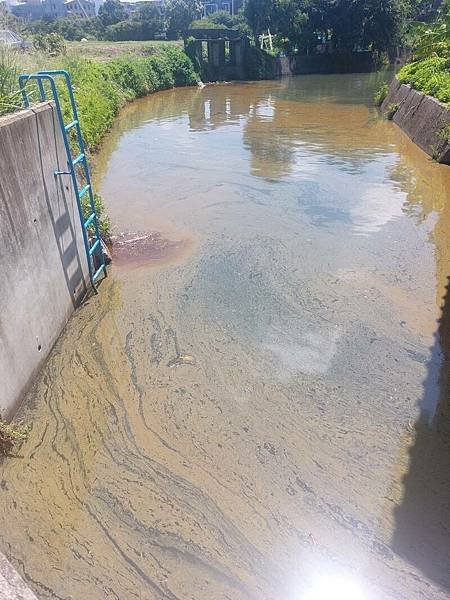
x=296, y=26
x=104, y=51
x=429, y=71
x=341, y=26
x=9, y=96
x=101, y=88
x=430, y=76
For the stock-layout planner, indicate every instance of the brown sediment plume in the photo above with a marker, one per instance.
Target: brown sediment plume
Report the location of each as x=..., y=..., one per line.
x=140, y=248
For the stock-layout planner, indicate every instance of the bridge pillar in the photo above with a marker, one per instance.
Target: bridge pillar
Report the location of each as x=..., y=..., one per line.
x=216, y=52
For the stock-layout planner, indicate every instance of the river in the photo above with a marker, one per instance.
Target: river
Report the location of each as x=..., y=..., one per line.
x=256, y=405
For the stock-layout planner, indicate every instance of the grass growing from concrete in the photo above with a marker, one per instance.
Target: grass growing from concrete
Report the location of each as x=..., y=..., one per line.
x=10, y=436
x=380, y=94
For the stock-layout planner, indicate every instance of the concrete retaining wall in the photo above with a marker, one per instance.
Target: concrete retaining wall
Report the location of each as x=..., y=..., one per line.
x=421, y=117
x=43, y=266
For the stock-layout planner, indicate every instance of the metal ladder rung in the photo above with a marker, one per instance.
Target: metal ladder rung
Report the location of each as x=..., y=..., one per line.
x=70, y=125
x=93, y=247
x=89, y=220
x=97, y=273
x=83, y=191
x=78, y=159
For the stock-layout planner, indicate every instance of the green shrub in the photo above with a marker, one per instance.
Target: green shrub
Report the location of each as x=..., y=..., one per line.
x=392, y=109
x=444, y=133
x=206, y=24
x=104, y=222
x=220, y=19
x=101, y=89
x=259, y=64
x=10, y=99
x=431, y=76
x=181, y=66
x=381, y=94
x=161, y=67
x=129, y=75
x=124, y=30
x=98, y=97
x=52, y=43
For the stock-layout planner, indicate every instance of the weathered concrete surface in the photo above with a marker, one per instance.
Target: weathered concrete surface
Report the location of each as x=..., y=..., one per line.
x=12, y=586
x=43, y=267
x=421, y=117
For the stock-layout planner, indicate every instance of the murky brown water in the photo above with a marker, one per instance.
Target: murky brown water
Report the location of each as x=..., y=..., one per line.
x=262, y=411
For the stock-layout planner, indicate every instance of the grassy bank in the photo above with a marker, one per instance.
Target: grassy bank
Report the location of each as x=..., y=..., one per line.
x=105, y=51
x=102, y=87
x=431, y=76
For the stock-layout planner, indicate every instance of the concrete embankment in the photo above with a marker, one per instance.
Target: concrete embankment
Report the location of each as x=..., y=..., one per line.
x=43, y=266
x=423, y=118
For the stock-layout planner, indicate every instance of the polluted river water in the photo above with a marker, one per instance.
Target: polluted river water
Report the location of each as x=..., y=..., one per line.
x=256, y=405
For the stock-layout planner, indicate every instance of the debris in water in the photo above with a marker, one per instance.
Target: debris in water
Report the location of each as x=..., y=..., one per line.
x=181, y=359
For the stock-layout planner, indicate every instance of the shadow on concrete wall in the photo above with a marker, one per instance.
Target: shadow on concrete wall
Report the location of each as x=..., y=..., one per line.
x=63, y=217
x=422, y=521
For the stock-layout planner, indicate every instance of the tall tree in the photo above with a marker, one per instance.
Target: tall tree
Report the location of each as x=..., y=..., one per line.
x=152, y=19
x=349, y=24
x=258, y=14
x=346, y=20
x=289, y=21
x=111, y=12
x=180, y=14
x=385, y=23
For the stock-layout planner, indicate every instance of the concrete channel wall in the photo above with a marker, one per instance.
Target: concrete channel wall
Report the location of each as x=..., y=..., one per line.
x=422, y=118
x=43, y=267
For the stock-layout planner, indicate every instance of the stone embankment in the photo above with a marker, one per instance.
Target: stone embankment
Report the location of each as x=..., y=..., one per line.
x=423, y=118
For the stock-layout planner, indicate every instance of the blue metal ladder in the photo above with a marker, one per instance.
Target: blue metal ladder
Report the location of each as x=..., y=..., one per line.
x=89, y=222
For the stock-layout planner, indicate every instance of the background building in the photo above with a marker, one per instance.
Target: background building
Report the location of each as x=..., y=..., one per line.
x=212, y=6
x=32, y=10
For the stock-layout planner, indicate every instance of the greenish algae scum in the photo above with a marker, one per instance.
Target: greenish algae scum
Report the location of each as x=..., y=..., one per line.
x=268, y=409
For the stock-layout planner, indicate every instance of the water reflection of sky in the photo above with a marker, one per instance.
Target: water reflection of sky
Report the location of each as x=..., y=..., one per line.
x=303, y=179
x=320, y=128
